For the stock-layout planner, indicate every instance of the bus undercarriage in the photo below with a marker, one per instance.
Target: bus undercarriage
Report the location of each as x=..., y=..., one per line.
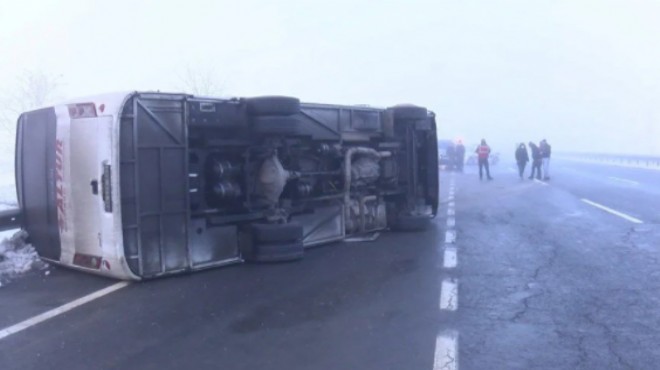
x=205, y=182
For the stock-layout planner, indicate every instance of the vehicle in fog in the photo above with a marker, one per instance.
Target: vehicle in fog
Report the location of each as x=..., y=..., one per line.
x=446, y=149
x=140, y=185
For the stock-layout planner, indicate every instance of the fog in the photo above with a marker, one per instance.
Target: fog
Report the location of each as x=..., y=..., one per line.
x=582, y=74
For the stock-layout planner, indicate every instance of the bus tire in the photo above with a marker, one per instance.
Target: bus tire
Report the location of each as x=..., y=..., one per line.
x=409, y=112
x=276, y=233
x=411, y=223
x=273, y=106
x=276, y=252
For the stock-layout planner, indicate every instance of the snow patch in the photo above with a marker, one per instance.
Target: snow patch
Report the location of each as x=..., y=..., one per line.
x=18, y=257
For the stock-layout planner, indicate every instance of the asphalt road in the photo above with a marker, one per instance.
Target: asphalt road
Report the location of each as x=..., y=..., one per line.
x=542, y=280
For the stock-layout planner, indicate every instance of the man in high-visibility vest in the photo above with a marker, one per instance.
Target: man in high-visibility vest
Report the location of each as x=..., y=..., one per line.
x=483, y=152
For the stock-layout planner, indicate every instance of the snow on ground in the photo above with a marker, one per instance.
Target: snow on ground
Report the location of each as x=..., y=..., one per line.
x=17, y=257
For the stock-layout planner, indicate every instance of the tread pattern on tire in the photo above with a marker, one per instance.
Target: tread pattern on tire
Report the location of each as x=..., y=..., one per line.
x=411, y=223
x=409, y=112
x=275, y=233
x=273, y=105
x=275, y=242
x=278, y=252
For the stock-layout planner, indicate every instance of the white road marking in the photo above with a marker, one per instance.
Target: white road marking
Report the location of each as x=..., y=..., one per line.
x=446, y=344
x=614, y=212
x=540, y=182
x=450, y=237
x=450, y=258
x=60, y=310
x=446, y=351
x=624, y=180
x=626, y=165
x=449, y=295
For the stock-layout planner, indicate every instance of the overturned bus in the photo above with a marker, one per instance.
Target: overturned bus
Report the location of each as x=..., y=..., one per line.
x=140, y=185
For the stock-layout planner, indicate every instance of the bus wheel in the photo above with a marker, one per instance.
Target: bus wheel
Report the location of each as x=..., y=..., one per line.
x=407, y=222
x=276, y=252
x=275, y=242
x=273, y=106
x=409, y=112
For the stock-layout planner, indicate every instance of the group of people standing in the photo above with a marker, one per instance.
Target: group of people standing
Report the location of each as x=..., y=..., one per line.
x=540, y=160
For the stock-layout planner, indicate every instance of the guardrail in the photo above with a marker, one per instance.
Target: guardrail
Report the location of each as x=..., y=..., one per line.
x=630, y=160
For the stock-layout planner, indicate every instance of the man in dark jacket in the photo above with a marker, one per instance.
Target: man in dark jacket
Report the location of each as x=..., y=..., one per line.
x=460, y=155
x=536, y=161
x=522, y=158
x=546, y=151
x=483, y=151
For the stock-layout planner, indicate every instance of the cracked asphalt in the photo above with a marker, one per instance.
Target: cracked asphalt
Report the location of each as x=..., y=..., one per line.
x=548, y=282
x=544, y=281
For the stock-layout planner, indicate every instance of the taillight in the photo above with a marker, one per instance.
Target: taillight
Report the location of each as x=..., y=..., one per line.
x=86, y=260
x=82, y=110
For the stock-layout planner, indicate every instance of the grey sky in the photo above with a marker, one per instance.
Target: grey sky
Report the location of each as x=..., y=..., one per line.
x=583, y=74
